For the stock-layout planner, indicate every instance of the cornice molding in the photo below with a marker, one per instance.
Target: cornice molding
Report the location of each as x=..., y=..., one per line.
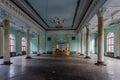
x=62, y=32
x=13, y=10
x=91, y=12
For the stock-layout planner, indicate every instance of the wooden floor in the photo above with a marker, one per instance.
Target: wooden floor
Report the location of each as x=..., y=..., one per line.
x=48, y=67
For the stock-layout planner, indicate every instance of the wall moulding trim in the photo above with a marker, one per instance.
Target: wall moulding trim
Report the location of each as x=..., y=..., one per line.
x=13, y=10
x=62, y=32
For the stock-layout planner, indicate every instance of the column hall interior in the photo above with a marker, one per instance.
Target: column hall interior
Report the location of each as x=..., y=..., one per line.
x=59, y=40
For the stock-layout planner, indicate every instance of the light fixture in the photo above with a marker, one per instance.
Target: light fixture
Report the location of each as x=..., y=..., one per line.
x=57, y=22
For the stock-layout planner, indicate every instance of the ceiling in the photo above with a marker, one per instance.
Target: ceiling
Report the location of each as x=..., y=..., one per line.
x=112, y=14
x=48, y=13
x=49, y=9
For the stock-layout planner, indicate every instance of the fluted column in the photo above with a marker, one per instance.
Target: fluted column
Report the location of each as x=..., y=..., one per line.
x=100, y=37
x=79, y=43
x=88, y=44
x=82, y=43
x=6, y=54
x=28, y=44
x=1, y=42
x=38, y=45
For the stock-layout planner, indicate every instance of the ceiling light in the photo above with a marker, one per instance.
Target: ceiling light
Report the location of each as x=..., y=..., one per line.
x=57, y=22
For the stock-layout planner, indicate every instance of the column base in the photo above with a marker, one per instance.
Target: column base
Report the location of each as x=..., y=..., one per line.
x=87, y=57
x=81, y=54
x=7, y=63
x=38, y=55
x=28, y=57
x=118, y=57
x=100, y=64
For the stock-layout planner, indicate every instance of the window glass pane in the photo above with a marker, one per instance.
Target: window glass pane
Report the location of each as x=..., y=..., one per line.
x=23, y=44
x=11, y=43
x=110, y=42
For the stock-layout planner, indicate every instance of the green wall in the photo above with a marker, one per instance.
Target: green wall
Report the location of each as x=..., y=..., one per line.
x=93, y=43
x=73, y=43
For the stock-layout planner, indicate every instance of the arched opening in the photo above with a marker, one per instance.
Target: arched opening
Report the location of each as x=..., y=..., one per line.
x=12, y=45
x=24, y=43
x=110, y=44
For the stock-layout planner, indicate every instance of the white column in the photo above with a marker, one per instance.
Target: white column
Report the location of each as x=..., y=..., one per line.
x=82, y=43
x=28, y=44
x=88, y=43
x=79, y=43
x=100, y=37
x=1, y=42
x=6, y=54
x=38, y=45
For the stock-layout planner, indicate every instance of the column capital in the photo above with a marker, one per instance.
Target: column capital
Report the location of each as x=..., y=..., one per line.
x=28, y=27
x=101, y=11
x=6, y=15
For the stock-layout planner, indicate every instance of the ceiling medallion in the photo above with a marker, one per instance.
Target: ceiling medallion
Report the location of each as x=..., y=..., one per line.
x=58, y=22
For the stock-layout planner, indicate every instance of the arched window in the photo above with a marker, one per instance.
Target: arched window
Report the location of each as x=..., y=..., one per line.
x=24, y=44
x=110, y=42
x=12, y=43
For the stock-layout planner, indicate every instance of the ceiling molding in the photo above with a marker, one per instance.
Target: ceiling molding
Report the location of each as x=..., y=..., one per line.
x=13, y=10
x=91, y=12
x=32, y=16
x=76, y=11
x=36, y=12
x=85, y=10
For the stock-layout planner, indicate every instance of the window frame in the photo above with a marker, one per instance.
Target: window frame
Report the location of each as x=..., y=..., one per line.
x=11, y=43
x=110, y=42
x=24, y=41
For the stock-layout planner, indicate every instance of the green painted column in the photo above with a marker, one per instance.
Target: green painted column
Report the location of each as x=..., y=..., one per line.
x=28, y=44
x=6, y=54
x=19, y=43
x=1, y=41
x=118, y=42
